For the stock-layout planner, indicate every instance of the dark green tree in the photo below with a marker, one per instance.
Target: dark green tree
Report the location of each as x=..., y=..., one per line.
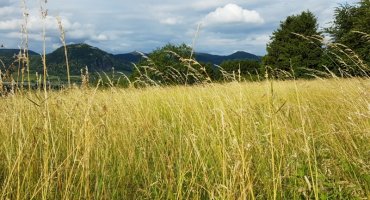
x=351, y=28
x=291, y=48
x=171, y=64
x=245, y=69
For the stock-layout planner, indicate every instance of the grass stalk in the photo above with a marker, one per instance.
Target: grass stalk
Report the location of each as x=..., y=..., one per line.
x=63, y=40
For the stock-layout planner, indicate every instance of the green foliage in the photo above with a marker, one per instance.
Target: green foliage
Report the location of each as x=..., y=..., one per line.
x=174, y=64
x=8, y=63
x=13, y=60
x=349, y=18
x=247, y=69
x=211, y=70
x=171, y=64
x=290, y=49
x=350, y=28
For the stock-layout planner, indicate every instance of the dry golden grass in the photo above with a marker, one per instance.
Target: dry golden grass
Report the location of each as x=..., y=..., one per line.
x=266, y=140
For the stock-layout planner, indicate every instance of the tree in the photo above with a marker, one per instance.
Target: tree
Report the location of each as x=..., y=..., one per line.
x=351, y=28
x=290, y=46
x=245, y=69
x=349, y=18
x=171, y=64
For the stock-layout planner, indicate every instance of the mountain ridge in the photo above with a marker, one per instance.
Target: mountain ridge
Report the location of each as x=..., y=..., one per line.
x=13, y=52
x=218, y=59
x=81, y=55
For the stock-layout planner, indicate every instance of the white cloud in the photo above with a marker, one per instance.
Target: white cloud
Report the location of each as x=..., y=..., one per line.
x=74, y=30
x=220, y=41
x=232, y=13
x=56, y=46
x=13, y=24
x=261, y=39
x=100, y=37
x=8, y=10
x=31, y=36
x=14, y=35
x=36, y=24
x=7, y=3
x=206, y=4
x=228, y=25
x=170, y=21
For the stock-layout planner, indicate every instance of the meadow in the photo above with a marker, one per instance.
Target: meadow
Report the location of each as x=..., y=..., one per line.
x=303, y=139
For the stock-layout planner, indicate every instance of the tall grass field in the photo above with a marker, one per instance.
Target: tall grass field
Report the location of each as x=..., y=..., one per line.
x=265, y=140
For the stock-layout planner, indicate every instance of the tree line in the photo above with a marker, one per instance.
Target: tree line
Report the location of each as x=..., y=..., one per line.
x=296, y=49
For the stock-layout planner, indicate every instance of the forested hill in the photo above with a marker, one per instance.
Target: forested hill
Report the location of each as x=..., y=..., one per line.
x=12, y=52
x=82, y=55
x=9, y=56
x=216, y=59
x=134, y=57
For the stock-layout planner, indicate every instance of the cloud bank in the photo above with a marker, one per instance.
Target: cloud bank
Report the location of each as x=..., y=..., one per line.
x=124, y=26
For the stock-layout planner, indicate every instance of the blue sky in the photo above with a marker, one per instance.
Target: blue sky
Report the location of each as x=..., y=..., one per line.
x=120, y=26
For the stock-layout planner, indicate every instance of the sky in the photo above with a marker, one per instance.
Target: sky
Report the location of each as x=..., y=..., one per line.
x=119, y=26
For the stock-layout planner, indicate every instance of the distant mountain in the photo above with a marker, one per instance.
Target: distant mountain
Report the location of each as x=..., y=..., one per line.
x=216, y=59
x=12, y=52
x=82, y=55
x=8, y=56
x=132, y=57
x=135, y=57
